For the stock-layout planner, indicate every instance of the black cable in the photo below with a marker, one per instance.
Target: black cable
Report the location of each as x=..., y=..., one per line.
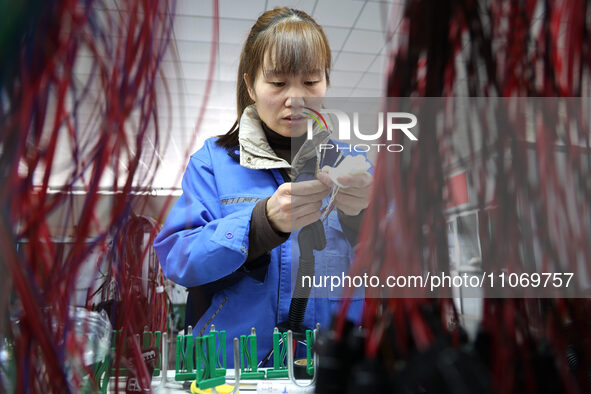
x=310, y=238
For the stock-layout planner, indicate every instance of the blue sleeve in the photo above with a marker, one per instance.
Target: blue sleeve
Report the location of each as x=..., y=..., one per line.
x=197, y=245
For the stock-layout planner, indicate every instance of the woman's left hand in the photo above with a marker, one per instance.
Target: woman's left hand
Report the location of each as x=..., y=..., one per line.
x=354, y=196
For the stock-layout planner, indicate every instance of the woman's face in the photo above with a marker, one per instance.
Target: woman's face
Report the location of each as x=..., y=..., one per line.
x=281, y=98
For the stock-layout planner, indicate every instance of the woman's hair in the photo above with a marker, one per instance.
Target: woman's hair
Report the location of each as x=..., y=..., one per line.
x=295, y=44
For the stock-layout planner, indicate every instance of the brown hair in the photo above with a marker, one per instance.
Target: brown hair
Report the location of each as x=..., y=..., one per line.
x=296, y=44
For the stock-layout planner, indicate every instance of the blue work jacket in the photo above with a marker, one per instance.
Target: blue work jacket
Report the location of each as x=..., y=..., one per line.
x=204, y=244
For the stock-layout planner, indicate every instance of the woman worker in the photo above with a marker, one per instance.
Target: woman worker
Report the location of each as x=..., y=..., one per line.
x=225, y=238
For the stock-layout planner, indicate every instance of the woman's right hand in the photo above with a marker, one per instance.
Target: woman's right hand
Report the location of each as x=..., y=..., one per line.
x=295, y=205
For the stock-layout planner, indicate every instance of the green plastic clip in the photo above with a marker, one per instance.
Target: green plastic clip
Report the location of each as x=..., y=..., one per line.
x=248, y=357
x=279, y=354
x=184, y=367
x=153, y=340
x=102, y=374
x=309, y=347
x=220, y=355
x=205, y=362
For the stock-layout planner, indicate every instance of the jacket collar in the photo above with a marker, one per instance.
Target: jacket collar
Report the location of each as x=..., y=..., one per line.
x=256, y=153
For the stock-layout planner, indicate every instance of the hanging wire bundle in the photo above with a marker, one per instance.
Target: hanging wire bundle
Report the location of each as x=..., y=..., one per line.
x=143, y=282
x=85, y=132
x=531, y=181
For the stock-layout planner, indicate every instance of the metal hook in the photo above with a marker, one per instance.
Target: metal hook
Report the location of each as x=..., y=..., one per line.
x=290, y=362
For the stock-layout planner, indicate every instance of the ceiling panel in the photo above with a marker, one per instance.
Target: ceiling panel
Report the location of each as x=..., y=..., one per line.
x=341, y=13
x=234, y=31
x=334, y=91
x=336, y=36
x=353, y=61
x=373, y=17
x=360, y=92
x=345, y=78
x=364, y=41
x=193, y=28
x=378, y=65
x=194, y=51
x=372, y=81
x=194, y=8
x=305, y=5
x=250, y=9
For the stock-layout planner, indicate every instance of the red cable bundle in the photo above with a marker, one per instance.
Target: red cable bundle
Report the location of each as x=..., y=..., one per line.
x=101, y=125
x=539, y=210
